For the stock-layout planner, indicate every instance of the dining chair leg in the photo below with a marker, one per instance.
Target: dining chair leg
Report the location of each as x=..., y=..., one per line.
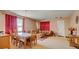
x=34, y=42
x=14, y=42
x=19, y=45
x=30, y=44
x=25, y=44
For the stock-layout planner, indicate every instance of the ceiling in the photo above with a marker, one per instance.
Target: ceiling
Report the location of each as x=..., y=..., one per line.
x=43, y=14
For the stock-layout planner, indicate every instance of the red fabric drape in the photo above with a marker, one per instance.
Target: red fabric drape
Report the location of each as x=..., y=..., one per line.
x=45, y=26
x=10, y=23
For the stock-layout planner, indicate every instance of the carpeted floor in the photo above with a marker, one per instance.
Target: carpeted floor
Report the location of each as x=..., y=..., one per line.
x=49, y=43
x=55, y=43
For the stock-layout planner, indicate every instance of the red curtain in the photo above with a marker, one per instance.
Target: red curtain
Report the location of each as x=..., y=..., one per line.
x=10, y=23
x=45, y=26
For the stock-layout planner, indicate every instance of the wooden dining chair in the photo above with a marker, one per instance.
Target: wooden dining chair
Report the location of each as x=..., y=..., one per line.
x=13, y=38
x=33, y=40
x=25, y=42
x=18, y=41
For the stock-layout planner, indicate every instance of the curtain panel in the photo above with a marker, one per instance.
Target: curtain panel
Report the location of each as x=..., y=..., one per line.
x=45, y=26
x=10, y=23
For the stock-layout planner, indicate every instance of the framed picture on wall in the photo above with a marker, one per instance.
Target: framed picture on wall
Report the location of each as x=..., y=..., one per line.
x=77, y=19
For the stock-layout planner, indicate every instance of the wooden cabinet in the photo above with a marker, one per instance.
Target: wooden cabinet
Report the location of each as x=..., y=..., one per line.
x=73, y=41
x=5, y=42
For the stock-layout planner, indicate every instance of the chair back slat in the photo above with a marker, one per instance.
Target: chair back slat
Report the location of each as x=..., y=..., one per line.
x=33, y=37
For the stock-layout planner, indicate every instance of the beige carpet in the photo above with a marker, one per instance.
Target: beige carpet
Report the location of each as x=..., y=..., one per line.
x=55, y=43
x=49, y=43
x=33, y=47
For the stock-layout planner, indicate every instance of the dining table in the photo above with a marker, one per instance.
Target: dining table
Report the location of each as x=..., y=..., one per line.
x=24, y=35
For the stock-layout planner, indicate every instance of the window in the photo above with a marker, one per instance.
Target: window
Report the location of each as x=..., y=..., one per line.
x=19, y=24
x=61, y=29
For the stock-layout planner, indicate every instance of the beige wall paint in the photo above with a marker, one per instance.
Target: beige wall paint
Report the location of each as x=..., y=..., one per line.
x=37, y=24
x=2, y=22
x=73, y=21
x=53, y=24
x=67, y=25
x=30, y=24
